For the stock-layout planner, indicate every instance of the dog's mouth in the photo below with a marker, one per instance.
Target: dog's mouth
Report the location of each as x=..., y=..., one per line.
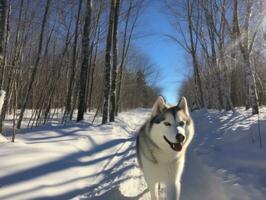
x=175, y=146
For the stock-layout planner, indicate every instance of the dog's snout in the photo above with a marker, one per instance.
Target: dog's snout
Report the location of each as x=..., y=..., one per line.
x=180, y=137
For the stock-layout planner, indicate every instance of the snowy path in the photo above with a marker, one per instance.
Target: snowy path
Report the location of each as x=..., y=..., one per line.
x=83, y=162
x=199, y=182
x=222, y=162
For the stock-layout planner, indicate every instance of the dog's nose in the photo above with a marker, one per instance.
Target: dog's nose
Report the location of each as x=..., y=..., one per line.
x=180, y=137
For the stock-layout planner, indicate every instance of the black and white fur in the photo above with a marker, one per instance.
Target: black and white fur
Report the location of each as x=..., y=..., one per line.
x=161, y=146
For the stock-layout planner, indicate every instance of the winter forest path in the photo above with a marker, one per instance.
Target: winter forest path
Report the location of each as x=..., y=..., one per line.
x=83, y=161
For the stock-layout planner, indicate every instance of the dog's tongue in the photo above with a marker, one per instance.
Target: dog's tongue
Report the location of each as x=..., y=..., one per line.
x=177, y=146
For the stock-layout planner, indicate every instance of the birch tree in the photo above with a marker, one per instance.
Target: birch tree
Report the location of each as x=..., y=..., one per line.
x=246, y=40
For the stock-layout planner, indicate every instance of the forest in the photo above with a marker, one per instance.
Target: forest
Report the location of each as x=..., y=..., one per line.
x=63, y=55
x=132, y=99
x=226, y=42
x=73, y=54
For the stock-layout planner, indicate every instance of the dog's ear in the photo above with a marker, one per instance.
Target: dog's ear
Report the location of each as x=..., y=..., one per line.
x=183, y=105
x=159, y=106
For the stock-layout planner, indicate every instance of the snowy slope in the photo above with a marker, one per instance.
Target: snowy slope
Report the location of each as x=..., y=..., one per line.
x=223, y=158
x=84, y=161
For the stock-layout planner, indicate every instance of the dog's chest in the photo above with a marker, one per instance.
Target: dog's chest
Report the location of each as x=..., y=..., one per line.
x=163, y=171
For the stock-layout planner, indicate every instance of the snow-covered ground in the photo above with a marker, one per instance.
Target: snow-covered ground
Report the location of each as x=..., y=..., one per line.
x=85, y=161
x=225, y=161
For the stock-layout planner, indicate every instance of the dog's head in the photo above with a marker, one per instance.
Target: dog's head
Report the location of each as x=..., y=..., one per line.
x=171, y=128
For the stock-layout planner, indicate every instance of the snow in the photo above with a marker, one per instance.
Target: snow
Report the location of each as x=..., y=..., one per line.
x=83, y=161
x=223, y=146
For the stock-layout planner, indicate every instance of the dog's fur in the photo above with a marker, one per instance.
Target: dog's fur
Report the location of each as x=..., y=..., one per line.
x=2, y=98
x=163, y=161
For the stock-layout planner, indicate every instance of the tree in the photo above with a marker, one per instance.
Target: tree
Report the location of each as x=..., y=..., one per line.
x=3, y=22
x=85, y=61
x=108, y=63
x=114, y=67
x=73, y=65
x=127, y=37
x=36, y=64
x=246, y=44
x=3, y=16
x=190, y=41
x=222, y=49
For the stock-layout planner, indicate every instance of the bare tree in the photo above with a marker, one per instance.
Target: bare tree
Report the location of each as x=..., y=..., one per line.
x=73, y=65
x=85, y=61
x=108, y=62
x=190, y=41
x=95, y=43
x=3, y=16
x=219, y=43
x=40, y=65
x=114, y=67
x=4, y=41
x=36, y=64
x=127, y=37
x=246, y=44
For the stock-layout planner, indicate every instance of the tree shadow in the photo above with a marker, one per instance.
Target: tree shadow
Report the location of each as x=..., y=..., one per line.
x=74, y=160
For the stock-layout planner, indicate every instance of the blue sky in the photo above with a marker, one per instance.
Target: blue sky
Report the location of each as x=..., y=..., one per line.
x=164, y=53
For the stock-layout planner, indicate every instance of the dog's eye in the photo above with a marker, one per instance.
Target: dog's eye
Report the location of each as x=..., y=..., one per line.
x=181, y=123
x=167, y=124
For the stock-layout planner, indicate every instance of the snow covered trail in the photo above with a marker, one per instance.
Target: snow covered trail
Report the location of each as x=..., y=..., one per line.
x=77, y=160
x=81, y=161
x=216, y=165
x=223, y=163
x=200, y=182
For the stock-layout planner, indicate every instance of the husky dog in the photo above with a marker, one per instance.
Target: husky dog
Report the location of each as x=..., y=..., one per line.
x=161, y=146
x=2, y=98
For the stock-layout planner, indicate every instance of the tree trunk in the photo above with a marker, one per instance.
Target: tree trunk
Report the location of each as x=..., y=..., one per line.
x=251, y=96
x=32, y=78
x=2, y=99
x=226, y=71
x=3, y=16
x=4, y=33
x=245, y=45
x=84, y=64
x=92, y=71
x=108, y=63
x=126, y=43
x=73, y=66
x=13, y=74
x=193, y=49
x=114, y=69
x=94, y=57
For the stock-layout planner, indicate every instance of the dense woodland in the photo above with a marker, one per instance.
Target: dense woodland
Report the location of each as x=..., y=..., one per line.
x=72, y=54
x=79, y=55
x=226, y=43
